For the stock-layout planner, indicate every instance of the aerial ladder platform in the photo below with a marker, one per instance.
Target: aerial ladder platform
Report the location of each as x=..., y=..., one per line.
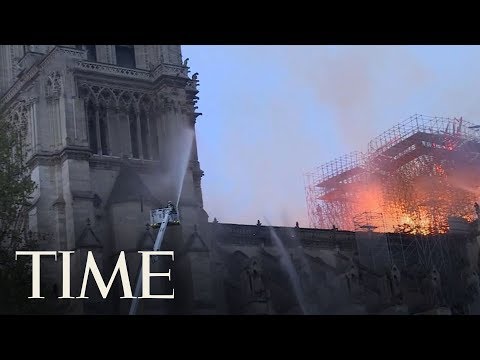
x=159, y=218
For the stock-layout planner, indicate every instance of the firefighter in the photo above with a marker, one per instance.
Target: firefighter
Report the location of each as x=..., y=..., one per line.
x=173, y=219
x=172, y=207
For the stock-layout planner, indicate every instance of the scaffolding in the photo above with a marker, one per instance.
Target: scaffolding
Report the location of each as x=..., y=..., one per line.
x=369, y=221
x=416, y=174
x=420, y=252
x=329, y=189
x=372, y=242
x=439, y=129
x=418, y=255
x=414, y=255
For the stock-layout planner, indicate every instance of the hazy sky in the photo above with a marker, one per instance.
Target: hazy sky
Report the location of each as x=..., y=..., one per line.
x=272, y=113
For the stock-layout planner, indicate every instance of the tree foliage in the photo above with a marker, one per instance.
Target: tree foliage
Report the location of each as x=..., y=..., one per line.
x=16, y=188
x=16, y=185
x=16, y=195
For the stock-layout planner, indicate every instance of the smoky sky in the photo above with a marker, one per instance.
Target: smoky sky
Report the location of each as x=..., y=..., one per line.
x=272, y=113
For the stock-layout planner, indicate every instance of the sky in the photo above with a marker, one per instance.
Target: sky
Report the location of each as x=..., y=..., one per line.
x=272, y=113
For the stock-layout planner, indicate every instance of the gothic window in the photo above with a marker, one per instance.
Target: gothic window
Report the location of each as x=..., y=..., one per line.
x=91, y=52
x=144, y=133
x=125, y=55
x=92, y=127
x=102, y=118
x=133, y=132
x=154, y=136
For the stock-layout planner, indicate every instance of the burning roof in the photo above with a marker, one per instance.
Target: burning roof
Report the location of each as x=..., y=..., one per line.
x=416, y=175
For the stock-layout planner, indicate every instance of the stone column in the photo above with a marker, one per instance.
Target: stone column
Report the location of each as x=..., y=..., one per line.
x=139, y=134
x=97, y=128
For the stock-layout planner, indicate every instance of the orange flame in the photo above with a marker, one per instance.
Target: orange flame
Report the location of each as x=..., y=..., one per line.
x=417, y=205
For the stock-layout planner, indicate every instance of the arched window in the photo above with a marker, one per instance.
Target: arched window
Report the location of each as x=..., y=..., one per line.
x=144, y=133
x=92, y=126
x=102, y=118
x=154, y=136
x=133, y=131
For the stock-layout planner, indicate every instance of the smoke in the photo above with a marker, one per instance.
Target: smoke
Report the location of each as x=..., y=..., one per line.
x=463, y=180
x=357, y=83
x=454, y=82
x=277, y=112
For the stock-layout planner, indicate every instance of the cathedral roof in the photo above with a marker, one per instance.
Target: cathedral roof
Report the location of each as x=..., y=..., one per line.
x=129, y=187
x=195, y=242
x=87, y=238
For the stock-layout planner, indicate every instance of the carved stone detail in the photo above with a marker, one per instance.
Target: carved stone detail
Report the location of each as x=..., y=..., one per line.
x=54, y=86
x=254, y=288
x=117, y=97
x=34, y=70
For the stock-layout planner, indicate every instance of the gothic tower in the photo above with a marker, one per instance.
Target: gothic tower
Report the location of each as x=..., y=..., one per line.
x=111, y=132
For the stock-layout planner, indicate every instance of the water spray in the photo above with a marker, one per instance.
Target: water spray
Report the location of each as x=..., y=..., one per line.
x=291, y=271
x=184, y=159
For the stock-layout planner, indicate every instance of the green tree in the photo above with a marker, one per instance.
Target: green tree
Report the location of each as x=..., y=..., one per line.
x=16, y=189
x=16, y=185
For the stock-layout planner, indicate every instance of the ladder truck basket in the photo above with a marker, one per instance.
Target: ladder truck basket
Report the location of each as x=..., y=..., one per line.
x=157, y=216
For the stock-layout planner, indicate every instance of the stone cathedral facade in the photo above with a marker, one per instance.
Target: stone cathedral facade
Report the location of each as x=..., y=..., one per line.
x=111, y=135
x=105, y=125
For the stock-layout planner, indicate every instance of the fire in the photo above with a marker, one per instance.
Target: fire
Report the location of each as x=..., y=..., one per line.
x=438, y=169
x=416, y=205
x=416, y=175
x=415, y=226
